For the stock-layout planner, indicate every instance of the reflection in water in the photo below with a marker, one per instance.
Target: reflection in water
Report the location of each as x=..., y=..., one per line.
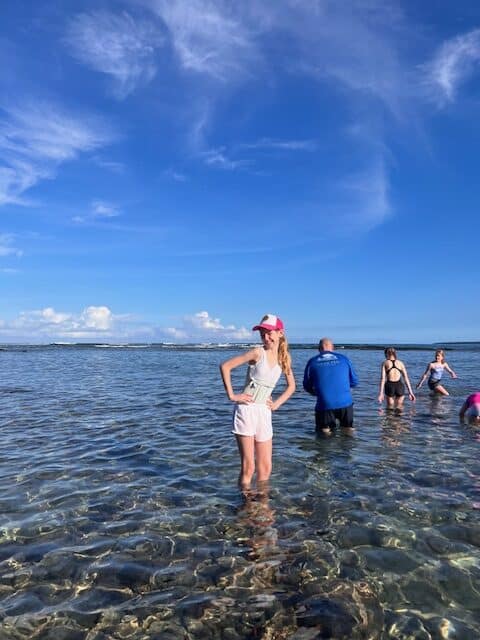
x=257, y=518
x=395, y=424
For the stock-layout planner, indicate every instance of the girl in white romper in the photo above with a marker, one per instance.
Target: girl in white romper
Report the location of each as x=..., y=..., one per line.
x=252, y=417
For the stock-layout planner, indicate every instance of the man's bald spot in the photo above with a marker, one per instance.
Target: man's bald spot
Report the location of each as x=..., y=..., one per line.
x=325, y=344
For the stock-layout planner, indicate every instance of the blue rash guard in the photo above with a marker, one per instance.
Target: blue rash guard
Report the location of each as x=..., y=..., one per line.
x=329, y=376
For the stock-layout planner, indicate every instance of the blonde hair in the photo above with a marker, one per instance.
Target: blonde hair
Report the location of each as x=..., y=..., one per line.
x=284, y=357
x=440, y=352
x=389, y=352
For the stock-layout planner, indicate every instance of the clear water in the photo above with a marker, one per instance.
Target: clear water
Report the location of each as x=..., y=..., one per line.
x=120, y=516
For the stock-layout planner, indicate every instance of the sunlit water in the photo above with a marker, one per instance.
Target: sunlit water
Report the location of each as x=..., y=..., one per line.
x=120, y=517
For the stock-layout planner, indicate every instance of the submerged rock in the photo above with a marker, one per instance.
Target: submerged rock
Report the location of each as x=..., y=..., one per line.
x=332, y=618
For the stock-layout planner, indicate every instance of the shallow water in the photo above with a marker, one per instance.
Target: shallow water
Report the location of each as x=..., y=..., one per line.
x=120, y=516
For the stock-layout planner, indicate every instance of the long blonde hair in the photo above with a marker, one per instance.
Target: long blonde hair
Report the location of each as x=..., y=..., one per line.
x=440, y=352
x=284, y=357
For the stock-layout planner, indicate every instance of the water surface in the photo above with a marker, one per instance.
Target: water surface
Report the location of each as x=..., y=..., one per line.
x=120, y=516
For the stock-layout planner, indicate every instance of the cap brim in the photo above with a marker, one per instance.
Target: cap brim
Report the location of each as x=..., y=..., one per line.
x=268, y=327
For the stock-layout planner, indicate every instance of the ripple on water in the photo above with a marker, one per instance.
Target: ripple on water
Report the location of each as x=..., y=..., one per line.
x=119, y=515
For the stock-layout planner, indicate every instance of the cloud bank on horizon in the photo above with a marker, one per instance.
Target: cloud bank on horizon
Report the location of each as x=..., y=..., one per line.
x=160, y=130
x=99, y=324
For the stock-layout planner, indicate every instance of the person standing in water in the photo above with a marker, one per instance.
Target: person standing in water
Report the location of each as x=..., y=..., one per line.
x=330, y=376
x=434, y=371
x=252, y=416
x=391, y=383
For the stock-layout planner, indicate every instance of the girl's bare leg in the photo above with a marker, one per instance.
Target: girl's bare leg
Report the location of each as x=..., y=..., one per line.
x=399, y=403
x=263, y=454
x=441, y=390
x=390, y=403
x=246, y=448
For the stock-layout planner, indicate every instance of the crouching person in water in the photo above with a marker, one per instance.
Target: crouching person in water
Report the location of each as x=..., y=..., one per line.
x=471, y=410
x=252, y=416
x=330, y=376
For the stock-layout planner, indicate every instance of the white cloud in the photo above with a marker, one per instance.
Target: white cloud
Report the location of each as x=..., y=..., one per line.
x=50, y=316
x=99, y=209
x=117, y=45
x=219, y=159
x=365, y=195
x=281, y=145
x=97, y=318
x=35, y=138
x=359, y=45
x=6, y=246
x=111, y=165
x=171, y=174
x=100, y=324
x=202, y=327
x=207, y=36
x=175, y=334
x=48, y=324
x=452, y=64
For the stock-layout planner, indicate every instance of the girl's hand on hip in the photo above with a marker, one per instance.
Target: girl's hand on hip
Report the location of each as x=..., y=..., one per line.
x=271, y=405
x=242, y=398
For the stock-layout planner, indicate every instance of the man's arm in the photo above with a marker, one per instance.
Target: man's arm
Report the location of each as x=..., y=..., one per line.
x=353, y=376
x=307, y=383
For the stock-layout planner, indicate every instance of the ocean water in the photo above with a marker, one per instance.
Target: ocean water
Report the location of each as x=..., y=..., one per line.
x=120, y=517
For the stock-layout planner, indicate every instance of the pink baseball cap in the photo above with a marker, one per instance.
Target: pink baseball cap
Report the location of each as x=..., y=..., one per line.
x=271, y=323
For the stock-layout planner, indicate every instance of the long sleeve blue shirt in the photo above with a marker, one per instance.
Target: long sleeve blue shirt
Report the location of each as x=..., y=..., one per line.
x=329, y=376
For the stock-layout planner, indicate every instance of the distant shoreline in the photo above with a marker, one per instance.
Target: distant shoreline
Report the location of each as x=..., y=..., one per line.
x=448, y=346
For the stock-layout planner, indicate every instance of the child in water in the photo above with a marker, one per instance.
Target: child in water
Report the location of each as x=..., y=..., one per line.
x=471, y=410
x=391, y=384
x=435, y=371
x=252, y=416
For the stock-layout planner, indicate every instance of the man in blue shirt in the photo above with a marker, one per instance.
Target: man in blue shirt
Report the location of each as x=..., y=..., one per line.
x=329, y=376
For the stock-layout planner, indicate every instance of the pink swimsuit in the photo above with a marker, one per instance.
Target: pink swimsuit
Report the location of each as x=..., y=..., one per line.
x=473, y=400
x=473, y=405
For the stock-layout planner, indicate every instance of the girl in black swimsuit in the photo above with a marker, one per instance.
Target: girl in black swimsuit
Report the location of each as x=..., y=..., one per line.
x=391, y=384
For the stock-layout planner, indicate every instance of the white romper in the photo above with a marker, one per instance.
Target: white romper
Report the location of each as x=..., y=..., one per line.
x=255, y=419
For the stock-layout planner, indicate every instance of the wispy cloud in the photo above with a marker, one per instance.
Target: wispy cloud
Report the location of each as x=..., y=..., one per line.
x=281, y=145
x=365, y=198
x=223, y=158
x=6, y=246
x=219, y=159
x=35, y=138
x=202, y=327
x=358, y=45
x=452, y=64
x=177, y=176
x=99, y=209
x=117, y=45
x=207, y=36
x=110, y=165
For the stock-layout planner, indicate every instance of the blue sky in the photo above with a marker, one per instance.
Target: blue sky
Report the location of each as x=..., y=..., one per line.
x=171, y=170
